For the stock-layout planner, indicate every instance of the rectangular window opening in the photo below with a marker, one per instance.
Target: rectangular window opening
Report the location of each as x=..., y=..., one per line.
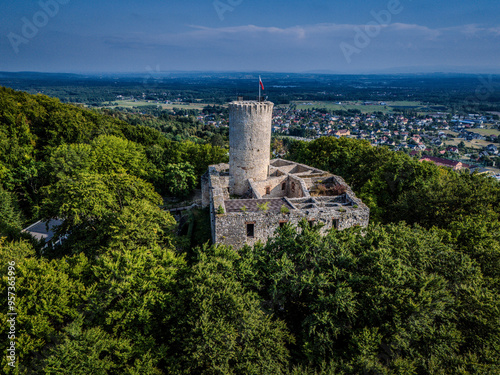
x=268, y=190
x=335, y=223
x=283, y=186
x=250, y=230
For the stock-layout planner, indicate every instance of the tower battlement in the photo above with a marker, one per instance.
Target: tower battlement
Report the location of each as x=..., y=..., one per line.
x=251, y=103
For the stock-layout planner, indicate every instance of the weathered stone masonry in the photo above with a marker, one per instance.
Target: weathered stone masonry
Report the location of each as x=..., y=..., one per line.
x=249, y=142
x=252, y=196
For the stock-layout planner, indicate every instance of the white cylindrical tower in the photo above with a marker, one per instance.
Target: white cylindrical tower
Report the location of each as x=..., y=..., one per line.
x=249, y=142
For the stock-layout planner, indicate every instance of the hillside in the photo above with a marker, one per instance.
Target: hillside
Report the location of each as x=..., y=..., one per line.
x=417, y=292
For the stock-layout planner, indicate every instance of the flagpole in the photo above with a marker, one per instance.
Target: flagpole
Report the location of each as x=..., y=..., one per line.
x=259, y=88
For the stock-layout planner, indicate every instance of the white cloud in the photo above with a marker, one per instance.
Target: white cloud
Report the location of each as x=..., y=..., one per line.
x=293, y=31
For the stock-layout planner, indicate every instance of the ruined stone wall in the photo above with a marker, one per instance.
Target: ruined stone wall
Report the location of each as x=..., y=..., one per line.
x=301, y=196
x=230, y=228
x=296, y=188
x=205, y=190
x=272, y=187
x=249, y=142
x=215, y=177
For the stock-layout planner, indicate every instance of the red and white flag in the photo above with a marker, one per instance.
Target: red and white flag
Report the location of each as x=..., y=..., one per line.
x=261, y=84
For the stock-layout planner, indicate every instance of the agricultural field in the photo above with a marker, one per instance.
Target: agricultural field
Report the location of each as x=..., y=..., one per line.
x=143, y=103
x=476, y=144
x=495, y=132
x=388, y=107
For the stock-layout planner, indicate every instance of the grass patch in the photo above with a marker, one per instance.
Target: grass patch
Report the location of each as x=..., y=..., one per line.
x=333, y=106
x=143, y=103
x=486, y=131
x=476, y=144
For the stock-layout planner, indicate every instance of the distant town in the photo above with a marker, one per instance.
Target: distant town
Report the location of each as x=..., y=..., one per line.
x=471, y=141
x=456, y=141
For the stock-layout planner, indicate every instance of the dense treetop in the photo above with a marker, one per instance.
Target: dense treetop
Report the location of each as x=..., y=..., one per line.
x=42, y=141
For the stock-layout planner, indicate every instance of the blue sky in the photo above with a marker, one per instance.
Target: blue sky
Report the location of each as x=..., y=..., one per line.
x=356, y=36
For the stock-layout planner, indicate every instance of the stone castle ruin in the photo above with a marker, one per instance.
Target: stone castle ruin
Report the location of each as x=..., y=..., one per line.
x=252, y=196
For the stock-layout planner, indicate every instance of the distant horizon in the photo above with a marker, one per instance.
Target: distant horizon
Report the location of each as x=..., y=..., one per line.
x=397, y=71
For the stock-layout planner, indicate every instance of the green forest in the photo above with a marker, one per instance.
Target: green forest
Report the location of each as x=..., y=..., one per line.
x=417, y=292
